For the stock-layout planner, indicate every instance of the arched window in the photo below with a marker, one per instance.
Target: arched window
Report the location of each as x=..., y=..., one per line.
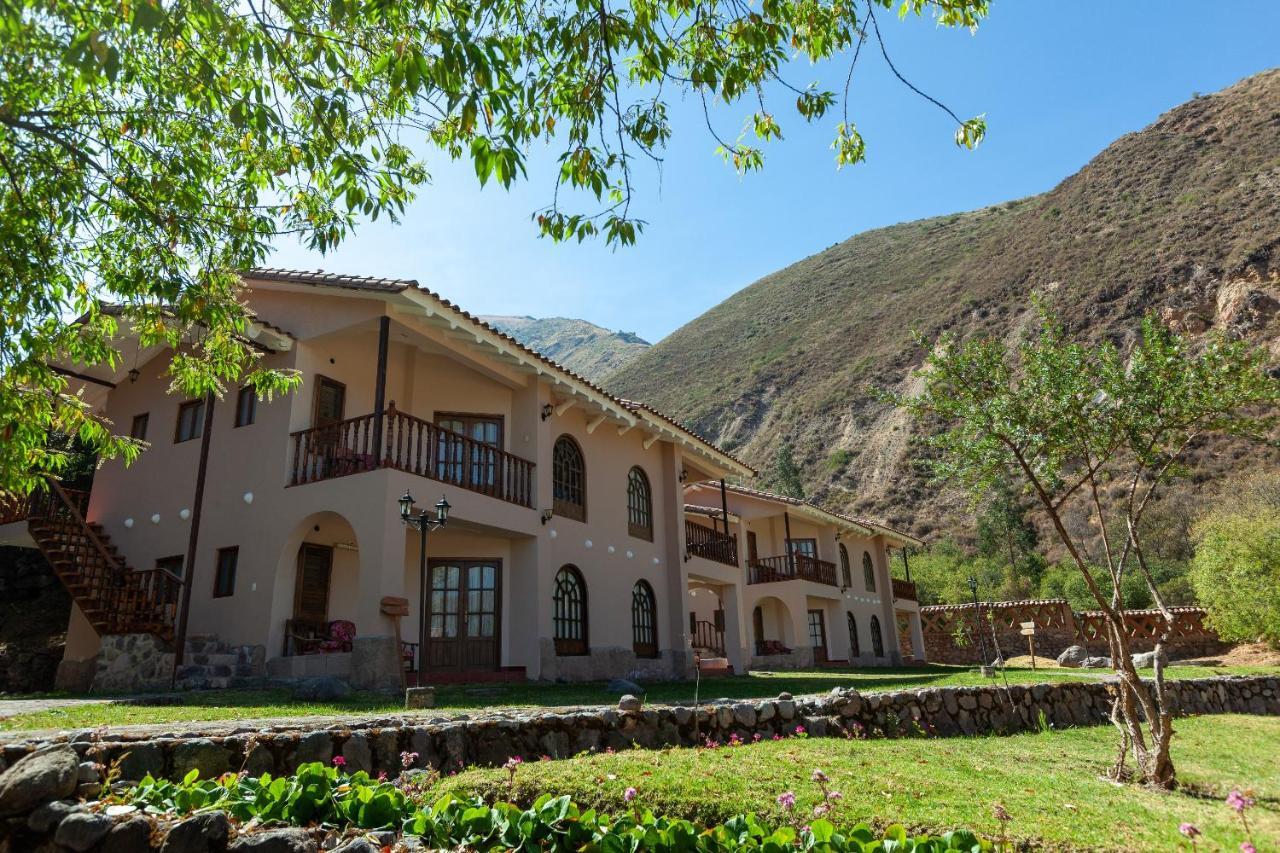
x=845, y=574
x=868, y=572
x=570, y=614
x=854, y=651
x=639, y=505
x=569, y=478
x=644, y=621
x=877, y=641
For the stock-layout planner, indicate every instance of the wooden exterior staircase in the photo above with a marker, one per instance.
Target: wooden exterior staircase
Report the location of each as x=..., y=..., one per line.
x=115, y=598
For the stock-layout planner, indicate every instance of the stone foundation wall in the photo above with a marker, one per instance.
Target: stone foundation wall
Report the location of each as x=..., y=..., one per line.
x=951, y=631
x=606, y=662
x=136, y=663
x=490, y=740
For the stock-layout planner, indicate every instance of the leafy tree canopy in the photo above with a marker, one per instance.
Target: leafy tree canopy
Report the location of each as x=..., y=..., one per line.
x=150, y=150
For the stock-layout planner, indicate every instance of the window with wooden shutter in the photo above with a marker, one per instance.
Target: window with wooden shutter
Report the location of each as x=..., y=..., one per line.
x=569, y=612
x=190, y=421
x=311, y=592
x=639, y=505
x=569, y=480
x=644, y=621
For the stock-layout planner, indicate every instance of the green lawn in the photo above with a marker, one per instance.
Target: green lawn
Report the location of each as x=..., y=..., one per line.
x=255, y=704
x=1050, y=783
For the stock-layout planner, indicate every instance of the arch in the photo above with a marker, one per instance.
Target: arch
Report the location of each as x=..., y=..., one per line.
x=569, y=479
x=644, y=620
x=338, y=598
x=854, y=649
x=846, y=575
x=639, y=504
x=772, y=626
x=877, y=639
x=868, y=572
x=570, y=612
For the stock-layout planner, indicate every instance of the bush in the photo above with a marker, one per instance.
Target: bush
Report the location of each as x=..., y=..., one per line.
x=324, y=795
x=1236, y=568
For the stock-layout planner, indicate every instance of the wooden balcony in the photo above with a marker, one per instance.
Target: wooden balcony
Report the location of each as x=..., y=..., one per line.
x=700, y=541
x=13, y=509
x=411, y=444
x=792, y=567
x=905, y=590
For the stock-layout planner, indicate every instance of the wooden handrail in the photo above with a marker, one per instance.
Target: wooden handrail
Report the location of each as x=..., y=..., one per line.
x=905, y=590
x=792, y=567
x=87, y=531
x=700, y=541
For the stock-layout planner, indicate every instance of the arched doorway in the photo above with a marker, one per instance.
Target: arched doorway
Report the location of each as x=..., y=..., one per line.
x=772, y=632
x=316, y=585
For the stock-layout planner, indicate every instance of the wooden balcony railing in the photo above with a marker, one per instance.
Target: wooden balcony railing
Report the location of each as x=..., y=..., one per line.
x=414, y=445
x=792, y=567
x=904, y=589
x=700, y=541
x=707, y=636
x=14, y=509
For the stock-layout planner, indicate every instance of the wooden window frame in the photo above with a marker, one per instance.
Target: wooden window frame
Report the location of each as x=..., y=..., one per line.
x=642, y=594
x=221, y=587
x=197, y=423
x=877, y=637
x=753, y=548
x=138, y=429
x=636, y=514
x=246, y=406
x=855, y=648
x=297, y=584
x=846, y=571
x=570, y=646
x=469, y=418
x=561, y=507
x=800, y=553
x=321, y=381
x=868, y=571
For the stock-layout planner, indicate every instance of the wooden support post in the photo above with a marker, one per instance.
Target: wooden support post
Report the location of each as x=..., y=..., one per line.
x=724, y=506
x=791, y=560
x=193, y=538
x=380, y=386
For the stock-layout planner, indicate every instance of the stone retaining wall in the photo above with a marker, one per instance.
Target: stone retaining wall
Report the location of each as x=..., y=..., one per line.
x=1057, y=627
x=490, y=740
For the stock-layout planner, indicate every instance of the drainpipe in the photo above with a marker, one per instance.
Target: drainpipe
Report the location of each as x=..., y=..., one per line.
x=189, y=563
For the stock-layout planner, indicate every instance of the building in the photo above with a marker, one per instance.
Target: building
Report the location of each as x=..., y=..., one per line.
x=564, y=555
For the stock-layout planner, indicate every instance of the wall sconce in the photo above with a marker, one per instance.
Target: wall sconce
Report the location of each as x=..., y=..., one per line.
x=547, y=515
x=684, y=475
x=547, y=409
x=134, y=373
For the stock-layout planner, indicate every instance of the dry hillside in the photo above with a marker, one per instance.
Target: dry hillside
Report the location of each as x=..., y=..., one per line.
x=1182, y=218
x=582, y=347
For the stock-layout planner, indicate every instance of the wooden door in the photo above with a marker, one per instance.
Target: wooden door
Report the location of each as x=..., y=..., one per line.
x=311, y=591
x=331, y=401
x=753, y=549
x=463, y=614
x=757, y=628
x=818, y=635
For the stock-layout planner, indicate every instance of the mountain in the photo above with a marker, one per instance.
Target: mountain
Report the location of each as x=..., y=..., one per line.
x=1181, y=218
x=583, y=347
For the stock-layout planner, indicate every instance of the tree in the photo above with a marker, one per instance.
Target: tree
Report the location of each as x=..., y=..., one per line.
x=786, y=473
x=1084, y=425
x=150, y=151
x=1236, y=568
x=1005, y=531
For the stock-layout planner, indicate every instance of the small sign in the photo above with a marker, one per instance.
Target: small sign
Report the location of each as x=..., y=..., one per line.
x=1028, y=626
x=393, y=605
x=1028, y=632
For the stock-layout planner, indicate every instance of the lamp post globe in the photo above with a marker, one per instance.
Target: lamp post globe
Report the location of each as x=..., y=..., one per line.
x=442, y=511
x=406, y=504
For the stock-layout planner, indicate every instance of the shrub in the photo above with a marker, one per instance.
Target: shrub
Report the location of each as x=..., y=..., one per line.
x=325, y=795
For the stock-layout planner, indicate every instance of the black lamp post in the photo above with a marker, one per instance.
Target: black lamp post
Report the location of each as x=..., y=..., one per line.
x=423, y=523
x=977, y=615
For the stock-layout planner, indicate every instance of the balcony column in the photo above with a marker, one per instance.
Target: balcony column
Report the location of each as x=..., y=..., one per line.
x=380, y=387
x=674, y=594
x=917, y=637
x=888, y=615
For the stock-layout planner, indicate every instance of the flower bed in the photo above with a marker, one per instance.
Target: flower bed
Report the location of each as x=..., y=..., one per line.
x=330, y=798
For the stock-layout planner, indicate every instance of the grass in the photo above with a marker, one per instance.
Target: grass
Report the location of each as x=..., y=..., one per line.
x=257, y=704
x=1050, y=783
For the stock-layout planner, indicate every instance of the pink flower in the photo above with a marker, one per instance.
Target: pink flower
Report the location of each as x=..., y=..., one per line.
x=1239, y=801
x=755, y=738
x=818, y=776
x=608, y=750
x=787, y=800
x=407, y=759
x=512, y=763
x=834, y=795
x=734, y=740
x=629, y=794
x=339, y=761
x=1190, y=830
x=799, y=730
x=382, y=775
x=820, y=810
x=777, y=737
x=1247, y=847
x=545, y=758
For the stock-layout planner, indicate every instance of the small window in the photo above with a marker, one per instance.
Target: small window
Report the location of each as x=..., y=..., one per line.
x=569, y=480
x=639, y=505
x=644, y=621
x=224, y=578
x=190, y=421
x=570, y=612
x=173, y=565
x=868, y=572
x=246, y=406
x=138, y=429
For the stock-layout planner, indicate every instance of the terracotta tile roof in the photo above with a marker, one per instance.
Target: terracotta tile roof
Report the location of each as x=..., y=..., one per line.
x=872, y=525
x=320, y=278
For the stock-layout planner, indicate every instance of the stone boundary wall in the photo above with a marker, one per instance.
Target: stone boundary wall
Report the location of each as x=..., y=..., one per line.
x=448, y=744
x=1057, y=627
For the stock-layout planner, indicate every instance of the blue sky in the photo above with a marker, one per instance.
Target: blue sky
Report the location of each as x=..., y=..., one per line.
x=1058, y=81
